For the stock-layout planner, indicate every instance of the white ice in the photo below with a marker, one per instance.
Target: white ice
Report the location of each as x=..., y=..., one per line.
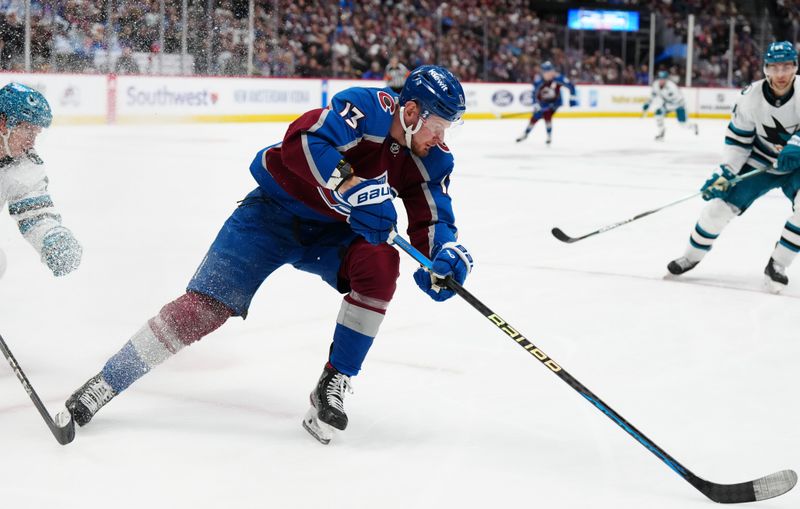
x=448, y=411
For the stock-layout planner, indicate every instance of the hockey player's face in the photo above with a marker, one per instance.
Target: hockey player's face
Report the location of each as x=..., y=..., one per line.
x=22, y=138
x=430, y=135
x=781, y=75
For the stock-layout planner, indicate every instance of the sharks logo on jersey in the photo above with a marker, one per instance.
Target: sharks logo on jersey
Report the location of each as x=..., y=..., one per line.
x=760, y=126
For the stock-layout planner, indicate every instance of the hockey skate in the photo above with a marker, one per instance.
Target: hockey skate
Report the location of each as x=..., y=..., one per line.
x=326, y=414
x=547, y=142
x=522, y=138
x=696, y=129
x=775, y=276
x=681, y=265
x=660, y=136
x=91, y=397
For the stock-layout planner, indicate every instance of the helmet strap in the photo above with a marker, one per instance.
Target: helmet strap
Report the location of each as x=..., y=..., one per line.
x=5, y=136
x=409, y=131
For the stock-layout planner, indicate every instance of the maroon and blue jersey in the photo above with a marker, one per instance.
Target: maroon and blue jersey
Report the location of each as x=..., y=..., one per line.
x=354, y=128
x=547, y=93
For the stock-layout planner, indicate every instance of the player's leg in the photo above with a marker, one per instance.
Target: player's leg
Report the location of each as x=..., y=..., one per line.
x=238, y=261
x=788, y=245
x=548, y=124
x=716, y=215
x=368, y=277
x=537, y=115
x=682, y=120
x=659, y=115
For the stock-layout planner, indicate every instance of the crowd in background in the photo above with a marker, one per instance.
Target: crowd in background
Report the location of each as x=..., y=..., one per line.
x=479, y=40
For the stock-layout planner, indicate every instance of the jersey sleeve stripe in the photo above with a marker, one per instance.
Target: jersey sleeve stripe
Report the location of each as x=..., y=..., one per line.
x=731, y=141
x=312, y=165
x=740, y=132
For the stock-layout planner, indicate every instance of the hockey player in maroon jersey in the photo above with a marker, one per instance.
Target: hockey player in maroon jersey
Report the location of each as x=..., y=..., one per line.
x=324, y=205
x=547, y=99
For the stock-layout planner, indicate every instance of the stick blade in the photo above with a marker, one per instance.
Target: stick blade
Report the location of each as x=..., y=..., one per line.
x=64, y=429
x=563, y=237
x=775, y=484
x=763, y=488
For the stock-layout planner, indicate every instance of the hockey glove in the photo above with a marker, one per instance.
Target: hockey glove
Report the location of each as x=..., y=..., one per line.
x=789, y=158
x=718, y=185
x=372, y=214
x=452, y=260
x=573, y=102
x=645, y=107
x=61, y=252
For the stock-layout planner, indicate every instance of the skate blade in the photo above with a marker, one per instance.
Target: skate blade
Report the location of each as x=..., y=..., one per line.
x=319, y=430
x=772, y=286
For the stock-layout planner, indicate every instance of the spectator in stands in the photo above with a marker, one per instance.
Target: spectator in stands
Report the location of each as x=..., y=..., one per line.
x=126, y=64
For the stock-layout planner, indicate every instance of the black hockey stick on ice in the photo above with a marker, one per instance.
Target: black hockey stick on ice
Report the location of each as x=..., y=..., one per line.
x=563, y=237
x=64, y=429
x=762, y=488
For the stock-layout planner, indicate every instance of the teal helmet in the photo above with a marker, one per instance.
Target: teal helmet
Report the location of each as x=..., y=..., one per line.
x=21, y=103
x=780, y=52
x=663, y=75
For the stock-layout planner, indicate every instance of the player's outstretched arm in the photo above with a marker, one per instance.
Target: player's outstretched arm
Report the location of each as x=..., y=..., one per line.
x=31, y=206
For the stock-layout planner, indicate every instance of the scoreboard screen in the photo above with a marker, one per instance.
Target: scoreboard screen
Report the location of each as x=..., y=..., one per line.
x=593, y=19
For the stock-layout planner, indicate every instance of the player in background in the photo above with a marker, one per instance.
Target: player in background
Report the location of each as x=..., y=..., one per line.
x=547, y=99
x=24, y=112
x=667, y=98
x=324, y=205
x=766, y=115
x=395, y=74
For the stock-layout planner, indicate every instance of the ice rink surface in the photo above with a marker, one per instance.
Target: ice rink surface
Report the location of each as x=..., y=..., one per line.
x=448, y=411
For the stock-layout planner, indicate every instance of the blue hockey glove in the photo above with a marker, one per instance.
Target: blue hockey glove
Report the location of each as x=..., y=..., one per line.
x=573, y=101
x=452, y=260
x=372, y=214
x=718, y=185
x=789, y=158
x=61, y=252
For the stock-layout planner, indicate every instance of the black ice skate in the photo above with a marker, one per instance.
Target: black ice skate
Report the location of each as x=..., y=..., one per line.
x=681, y=265
x=522, y=138
x=86, y=401
x=696, y=129
x=660, y=136
x=326, y=414
x=547, y=142
x=776, y=279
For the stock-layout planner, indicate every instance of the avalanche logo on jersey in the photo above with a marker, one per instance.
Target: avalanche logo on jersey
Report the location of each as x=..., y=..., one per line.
x=549, y=92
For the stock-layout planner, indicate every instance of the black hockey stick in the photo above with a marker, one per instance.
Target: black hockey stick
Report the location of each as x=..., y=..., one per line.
x=762, y=488
x=563, y=237
x=63, y=428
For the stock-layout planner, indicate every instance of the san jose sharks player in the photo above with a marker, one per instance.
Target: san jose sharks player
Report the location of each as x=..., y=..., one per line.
x=763, y=121
x=24, y=112
x=323, y=205
x=667, y=97
x=547, y=99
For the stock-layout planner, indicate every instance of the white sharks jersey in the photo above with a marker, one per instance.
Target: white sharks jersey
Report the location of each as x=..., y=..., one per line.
x=761, y=125
x=23, y=184
x=669, y=95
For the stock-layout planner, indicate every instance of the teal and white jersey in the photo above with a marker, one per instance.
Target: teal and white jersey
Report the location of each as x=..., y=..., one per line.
x=761, y=125
x=23, y=184
x=668, y=95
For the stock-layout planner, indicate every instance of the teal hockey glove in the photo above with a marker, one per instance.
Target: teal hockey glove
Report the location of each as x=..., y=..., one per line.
x=718, y=185
x=61, y=252
x=789, y=158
